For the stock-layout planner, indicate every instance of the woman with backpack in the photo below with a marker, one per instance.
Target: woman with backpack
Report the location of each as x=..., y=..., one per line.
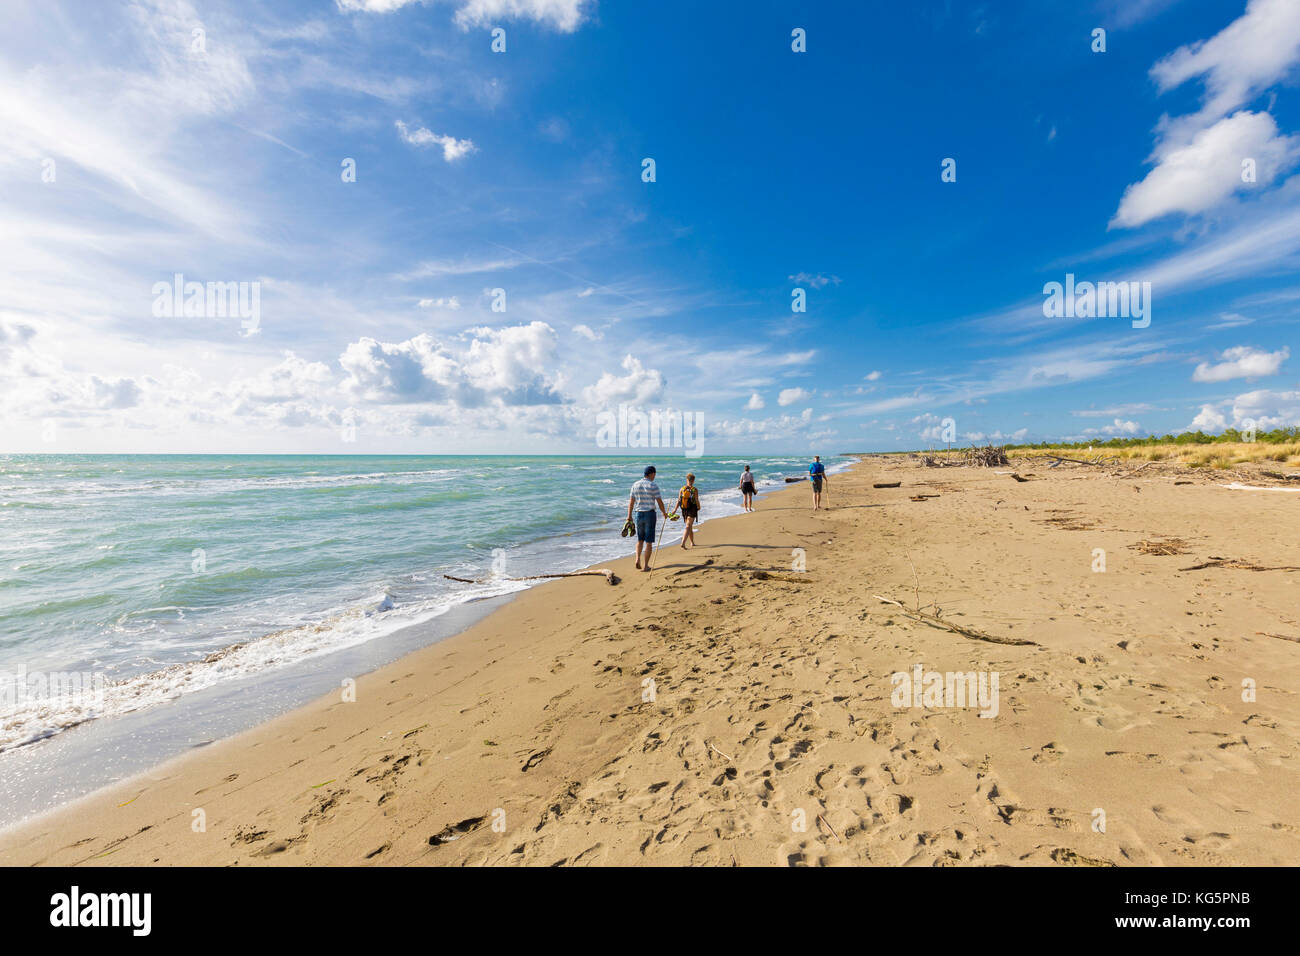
x=688, y=501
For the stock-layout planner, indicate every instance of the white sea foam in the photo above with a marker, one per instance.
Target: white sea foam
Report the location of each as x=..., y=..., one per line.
x=28, y=718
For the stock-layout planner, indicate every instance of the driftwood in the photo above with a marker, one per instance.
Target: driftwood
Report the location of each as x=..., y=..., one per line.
x=1018, y=477
x=1280, y=637
x=886, y=484
x=610, y=577
x=789, y=480
x=986, y=457
x=1237, y=565
x=1166, y=547
x=961, y=629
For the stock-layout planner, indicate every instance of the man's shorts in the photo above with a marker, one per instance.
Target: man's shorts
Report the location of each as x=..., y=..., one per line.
x=645, y=526
x=817, y=484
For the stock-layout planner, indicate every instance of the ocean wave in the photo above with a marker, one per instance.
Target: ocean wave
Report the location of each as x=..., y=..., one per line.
x=27, y=717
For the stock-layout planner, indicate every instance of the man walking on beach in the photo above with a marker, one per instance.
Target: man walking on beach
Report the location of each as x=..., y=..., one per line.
x=645, y=495
x=817, y=472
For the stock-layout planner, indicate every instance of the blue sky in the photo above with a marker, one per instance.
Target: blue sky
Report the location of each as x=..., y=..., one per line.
x=136, y=149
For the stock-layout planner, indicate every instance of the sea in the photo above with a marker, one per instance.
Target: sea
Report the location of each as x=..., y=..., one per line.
x=154, y=603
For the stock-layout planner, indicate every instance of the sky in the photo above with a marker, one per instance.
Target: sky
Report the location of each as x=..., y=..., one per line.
x=482, y=226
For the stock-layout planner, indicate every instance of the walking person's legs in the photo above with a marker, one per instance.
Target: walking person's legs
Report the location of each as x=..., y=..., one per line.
x=645, y=538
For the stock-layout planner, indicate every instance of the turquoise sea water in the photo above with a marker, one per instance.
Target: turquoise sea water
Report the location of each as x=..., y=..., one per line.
x=154, y=577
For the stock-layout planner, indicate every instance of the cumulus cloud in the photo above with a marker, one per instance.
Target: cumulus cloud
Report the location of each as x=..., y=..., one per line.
x=755, y=402
x=639, y=386
x=1265, y=408
x=1198, y=157
x=37, y=383
x=1241, y=361
x=506, y=365
x=113, y=393
x=766, y=429
x=1208, y=419
x=1117, y=428
x=450, y=302
x=587, y=332
x=790, y=396
x=1200, y=175
x=452, y=148
x=873, y=376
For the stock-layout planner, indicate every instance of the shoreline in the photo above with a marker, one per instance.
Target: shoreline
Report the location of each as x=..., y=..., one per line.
x=65, y=761
x=772, y=698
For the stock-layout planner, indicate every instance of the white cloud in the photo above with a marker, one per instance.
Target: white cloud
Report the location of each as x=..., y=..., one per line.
x=563, y=15
x=1115, y=429
x=1018, y=435
x=1208, y=419
x=1241, y=361
x=1230, y=320
x=451, y=302
x=1253, y=52
x=1202, y=174
x=452, y=148
x=505, y=365
x=766, y=429
x=114, y=393
x=873, y=376
x=755, y=402
x=1113, y=411
x=790, y=396
x=587, y=332
x=1264, y=408
x=639, y=386
x=816, y=280
x=796, y=358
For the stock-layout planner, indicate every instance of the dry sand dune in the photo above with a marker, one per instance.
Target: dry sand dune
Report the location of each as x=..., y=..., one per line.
x=533, y=739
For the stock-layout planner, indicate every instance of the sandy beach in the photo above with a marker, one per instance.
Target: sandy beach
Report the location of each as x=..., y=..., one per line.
x=731, y=709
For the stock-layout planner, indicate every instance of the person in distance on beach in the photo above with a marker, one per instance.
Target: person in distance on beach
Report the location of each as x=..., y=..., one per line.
x=688, y=501
x=817, y=474
x=645, y=495
x=747, y=488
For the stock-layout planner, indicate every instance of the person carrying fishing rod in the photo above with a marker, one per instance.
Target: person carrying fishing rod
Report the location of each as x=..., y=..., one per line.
x=645, y=495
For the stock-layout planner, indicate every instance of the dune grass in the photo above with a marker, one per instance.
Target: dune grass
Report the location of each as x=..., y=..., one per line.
x=1219, y=455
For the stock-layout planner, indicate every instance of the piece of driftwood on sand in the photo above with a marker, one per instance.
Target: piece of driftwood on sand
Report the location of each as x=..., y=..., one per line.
x=961, y=629
x=610, y=577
